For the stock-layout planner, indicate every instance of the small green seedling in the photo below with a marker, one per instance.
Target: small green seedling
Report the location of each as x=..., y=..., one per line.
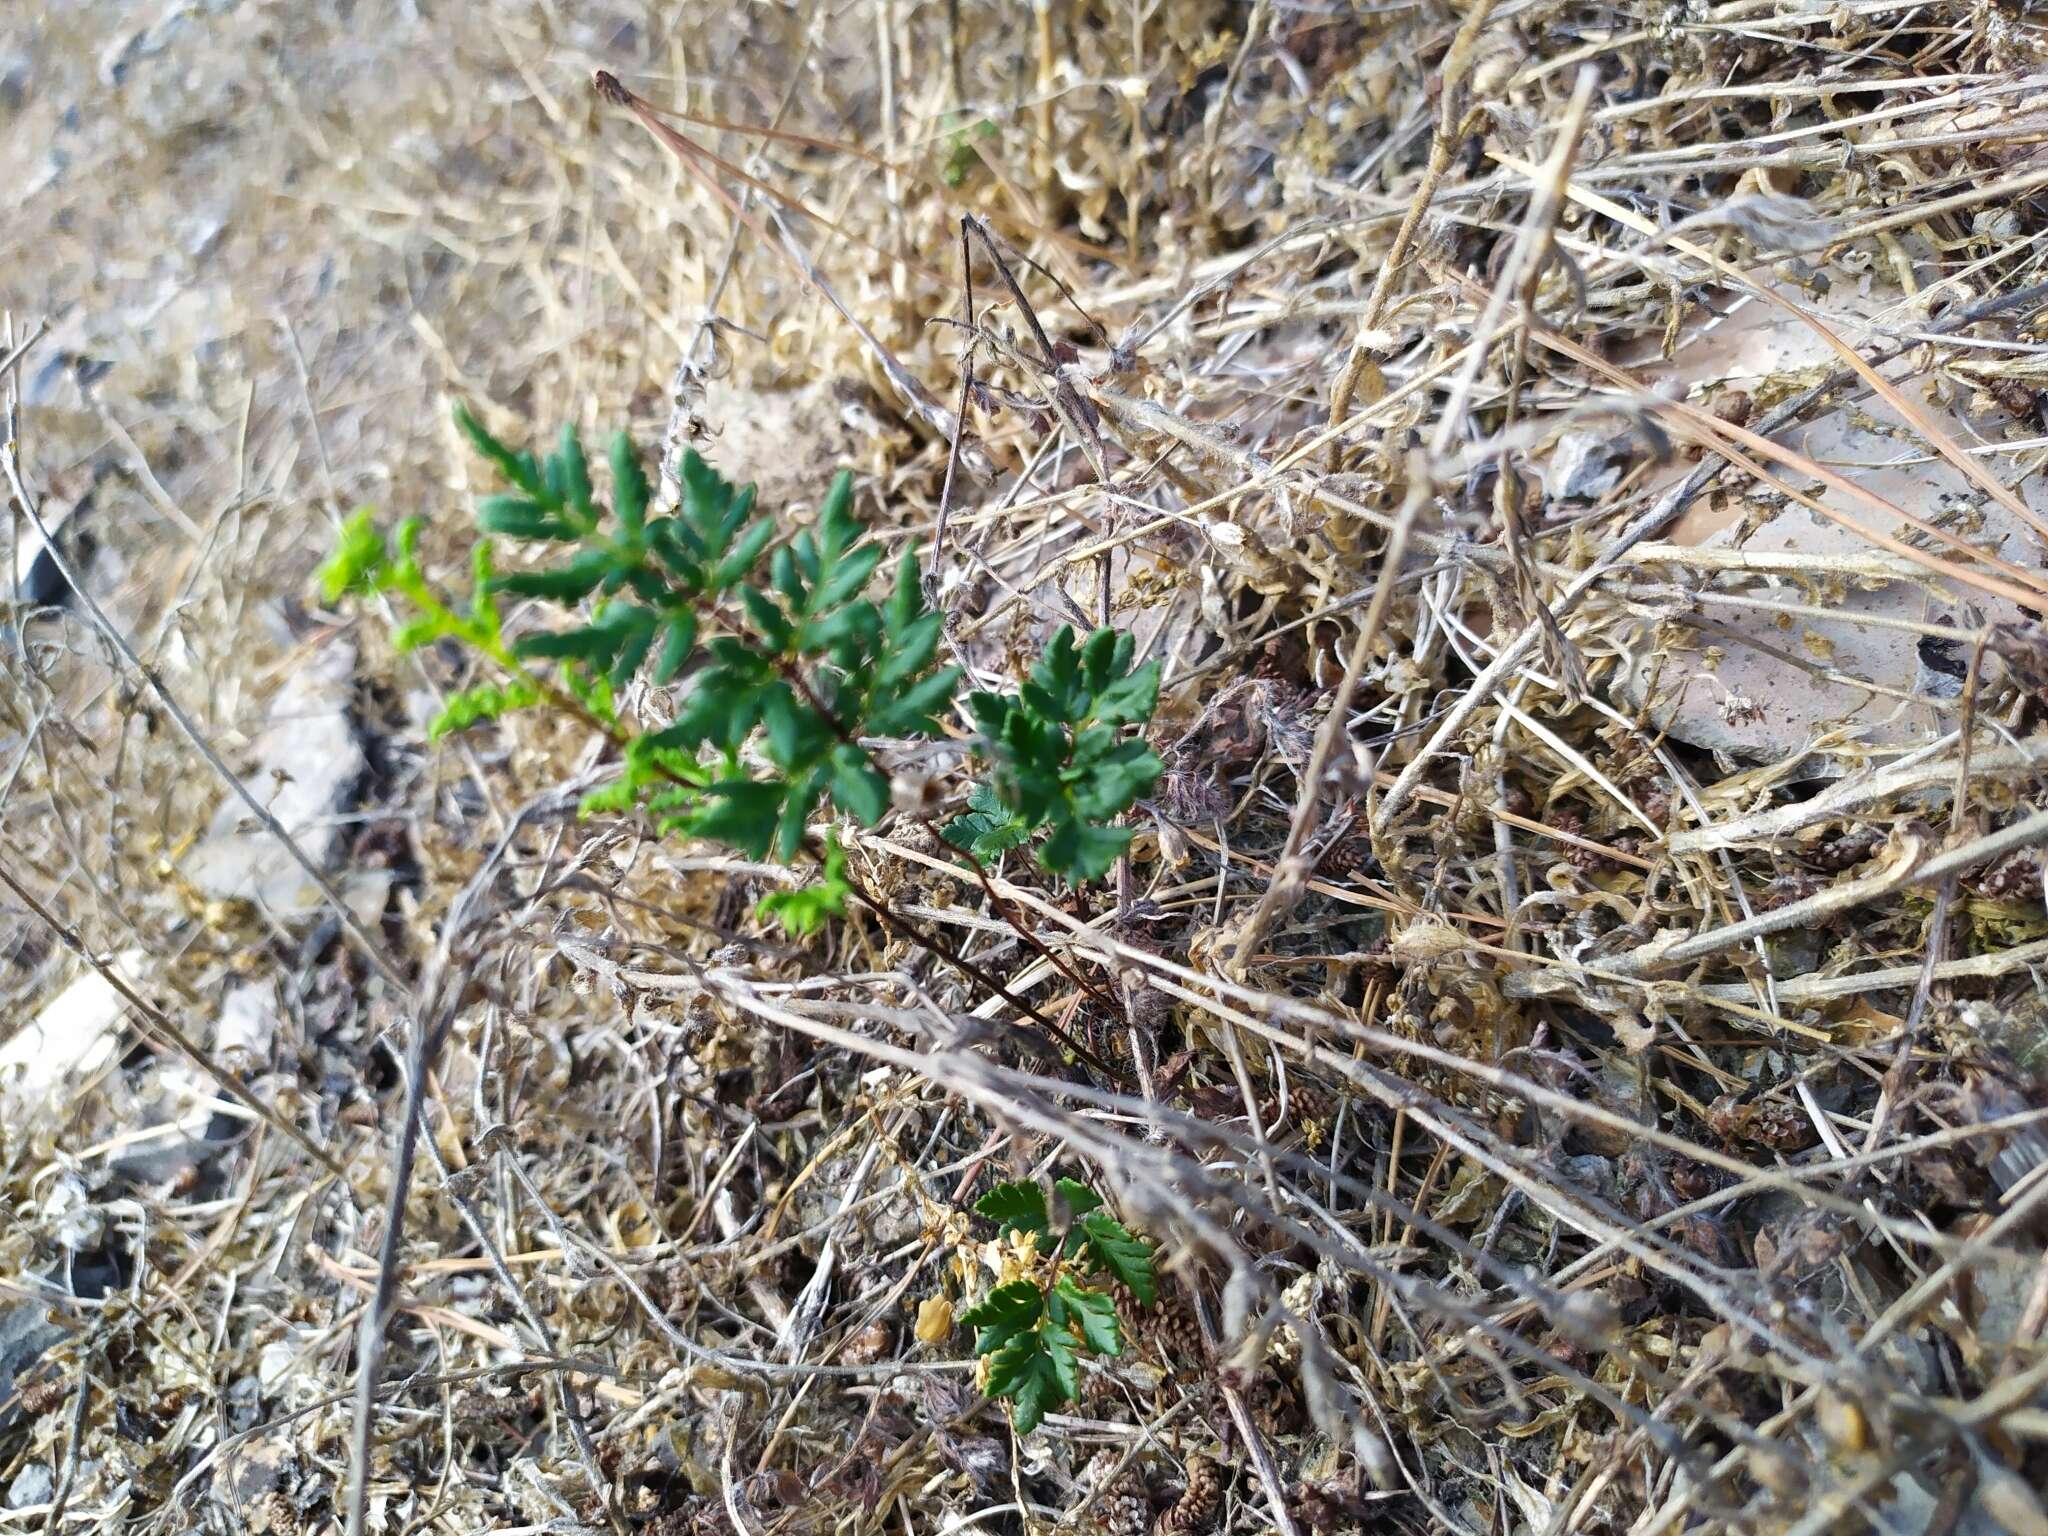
x=1060, y=757
x=962, y=158
x=795, y=674
x=1032, y=1331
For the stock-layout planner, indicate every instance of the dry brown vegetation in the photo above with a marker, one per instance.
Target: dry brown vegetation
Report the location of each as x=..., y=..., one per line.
x=1570, y=1019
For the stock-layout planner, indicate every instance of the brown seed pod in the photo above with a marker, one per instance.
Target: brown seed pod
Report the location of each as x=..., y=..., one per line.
x=1172, y=1330
x=1848, y=850
x=2017, y=874
x=1731, y=405
x=272, y=1514
x=1776, y=1471
x=1767, y=1123
x=40, y=1397
x=1195, y=1508
x=869, y=1345
x=1842, y=1423
x=1121, y=1506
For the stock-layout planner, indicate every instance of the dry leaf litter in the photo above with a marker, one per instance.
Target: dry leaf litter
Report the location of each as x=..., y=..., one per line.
x=1573, y=1001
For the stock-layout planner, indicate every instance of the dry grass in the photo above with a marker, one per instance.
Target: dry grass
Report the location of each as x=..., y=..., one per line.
x=1572, y=1008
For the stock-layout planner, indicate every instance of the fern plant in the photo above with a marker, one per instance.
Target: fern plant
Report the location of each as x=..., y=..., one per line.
x=1032, y=1330
x=793, y=668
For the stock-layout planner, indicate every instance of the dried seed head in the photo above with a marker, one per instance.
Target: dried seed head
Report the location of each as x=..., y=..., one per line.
x=1590, y=1317
x=271, y=1514
x=1732, y=405
x=1151, y=1009
x=1378, y=1459
x=39, y=1398
x=1428, y=939
x=869, y=1345
x=1121, y=1506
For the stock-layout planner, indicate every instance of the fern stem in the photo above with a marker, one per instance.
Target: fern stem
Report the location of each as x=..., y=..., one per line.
x=889, y=918
x=1038, y=945
x=904, y=928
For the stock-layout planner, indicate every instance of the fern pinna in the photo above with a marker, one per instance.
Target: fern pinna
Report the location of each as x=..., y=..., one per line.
x=1032, y=1330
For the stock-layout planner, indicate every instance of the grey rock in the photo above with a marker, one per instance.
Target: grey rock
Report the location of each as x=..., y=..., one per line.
x=26, y=1333
x=1584, y=466
x=34, y=1485
x=73, y=1035
x=1784, y=681
x=247, y=1027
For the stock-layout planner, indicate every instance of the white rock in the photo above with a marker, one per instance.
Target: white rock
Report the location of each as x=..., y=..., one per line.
x=33, y=1488
x=247, y=1027
x=74, y=1219
x=278, y=1361
x=308, y=760
x=35, y=578
x=75, y=1035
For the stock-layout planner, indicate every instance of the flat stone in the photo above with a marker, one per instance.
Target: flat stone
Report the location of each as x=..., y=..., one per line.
x=26, y=1334
x=247, y=1026
x=1756, y=704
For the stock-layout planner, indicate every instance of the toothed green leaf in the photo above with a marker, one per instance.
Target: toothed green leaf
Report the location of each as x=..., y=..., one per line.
x=1079, y=1197
x=1091, y=1314
x=857, y=786
x=913, y=712
x=563, y=584
x=911, y=648
x=1113, y=1249
x=803, y=912
x=425, y=630
x=678, y=637
x=1081, y=852
x=768, y=619
x=711, y=507
x=848, y=576
x=1003, y=1314
x=804, y=796
x=740, y=559
x=837, y=527
x=575, y=475
x=1037, y=1372
x=488, y=701
x=1129, y=698
x=629, y=484
x=742, y=812
x=519, y=468
x=519, y=517
x=359, y=561
x=906, y=598
x=990, y=829
x=1014, y=1207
